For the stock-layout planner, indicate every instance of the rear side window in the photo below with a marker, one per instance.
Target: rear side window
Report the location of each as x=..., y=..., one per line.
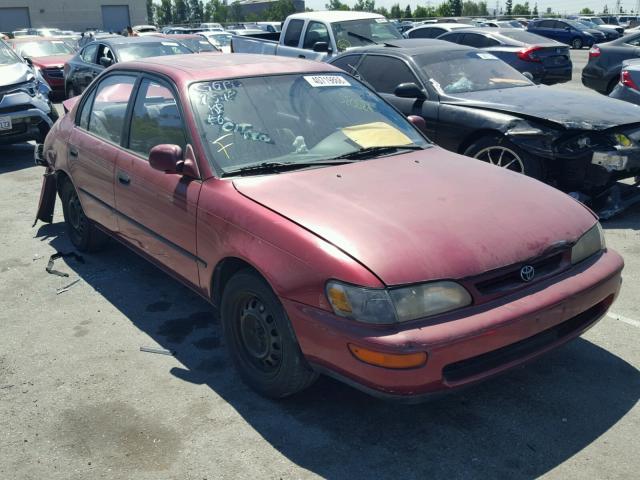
x=348, y=64
x=426, y=33
x=110, y=106
x=384, y=74
x=89, y=53
x=156, y=119
x=292, y=35
x=86, y=111
x=478, y=41
x=544, y=24
x=453, y=37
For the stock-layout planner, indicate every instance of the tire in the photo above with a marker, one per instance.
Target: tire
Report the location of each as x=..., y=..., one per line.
x=577, y=43
x=503, y=153
x=260, y=338
x=82, y=232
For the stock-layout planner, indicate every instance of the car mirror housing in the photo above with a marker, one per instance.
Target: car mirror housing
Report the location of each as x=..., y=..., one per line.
x=409, y=90
x=321, y=47
x=106, y=62
x=166, y=158
x=418, y=122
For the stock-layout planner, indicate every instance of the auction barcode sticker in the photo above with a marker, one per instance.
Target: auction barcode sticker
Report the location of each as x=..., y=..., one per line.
x=326, y=81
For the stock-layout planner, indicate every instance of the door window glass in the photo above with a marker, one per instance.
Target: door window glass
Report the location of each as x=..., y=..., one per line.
x=292, y=35
x=89, y=53
x=86, y=110
x=348, y=64
x=478, y=41
x=426, y=33
x=384, y=74
x=156, y=119
x=110, y=107
x=316, y=32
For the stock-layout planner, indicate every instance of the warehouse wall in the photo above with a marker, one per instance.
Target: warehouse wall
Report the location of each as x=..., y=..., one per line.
x=74, y=14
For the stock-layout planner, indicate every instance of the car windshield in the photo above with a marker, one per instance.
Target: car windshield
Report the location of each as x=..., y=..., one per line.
x=524, y=37
x=465, y=71
x=220, y=40
x=133, y=51
x=294, y=119
x=7, y=56
x=597, y=21
x=587, y=23
x=511, y=23
x=198, y=44
x=575, y=24
x=358, y=33
x=43, y=48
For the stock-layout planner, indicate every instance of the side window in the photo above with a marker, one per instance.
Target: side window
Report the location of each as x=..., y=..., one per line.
x=156, y=119
x=634, y=41
x=89, y=53
x=559, y=25
x=427, y=33
x=478, y=41
x=104, y=51
x=316, y=32
x=348, y=63
x=294, y=29
x=384, y=74
x=454, y=37
x=83, y=122
x=544, y=24
x=110, y=107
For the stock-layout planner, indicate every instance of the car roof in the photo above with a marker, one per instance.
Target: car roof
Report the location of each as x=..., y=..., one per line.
x=184, y=69
x=442, y=25
x=334, y=15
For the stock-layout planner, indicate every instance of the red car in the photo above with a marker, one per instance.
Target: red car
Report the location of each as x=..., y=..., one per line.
x=48, y=55
x=331, y=234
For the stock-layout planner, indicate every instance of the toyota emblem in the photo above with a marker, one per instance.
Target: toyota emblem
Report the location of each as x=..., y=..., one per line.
x=527, y=273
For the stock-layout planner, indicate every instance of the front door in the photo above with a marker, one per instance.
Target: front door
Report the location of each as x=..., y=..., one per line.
x=157, y=211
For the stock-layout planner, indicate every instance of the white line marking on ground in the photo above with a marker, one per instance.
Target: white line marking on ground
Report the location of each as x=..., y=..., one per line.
x=630, y=321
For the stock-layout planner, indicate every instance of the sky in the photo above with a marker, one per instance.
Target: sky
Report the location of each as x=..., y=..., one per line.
x=563, y=6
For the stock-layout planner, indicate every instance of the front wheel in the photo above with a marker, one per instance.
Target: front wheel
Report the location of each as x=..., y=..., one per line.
x=576, y=43
x=502, y=153
x=260, y=338
x=83, y=234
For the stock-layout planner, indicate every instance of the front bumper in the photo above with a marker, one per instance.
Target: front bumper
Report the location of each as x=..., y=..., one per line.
x=467, y=347
x=31, y=118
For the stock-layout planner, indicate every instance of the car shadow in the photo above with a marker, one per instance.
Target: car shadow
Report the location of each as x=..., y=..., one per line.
x=16, y=157
x=630, y=218
x=519, y=425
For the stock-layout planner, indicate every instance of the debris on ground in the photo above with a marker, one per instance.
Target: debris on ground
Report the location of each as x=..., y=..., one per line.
x=160, y=351
x=57, y=255
x=66, y=287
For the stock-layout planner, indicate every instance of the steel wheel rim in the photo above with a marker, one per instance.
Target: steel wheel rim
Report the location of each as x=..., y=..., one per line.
x=76, y=216
x=502, y=157
x=258, y=335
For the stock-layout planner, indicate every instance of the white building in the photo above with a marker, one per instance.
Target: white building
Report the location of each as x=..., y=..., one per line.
x=109, y=15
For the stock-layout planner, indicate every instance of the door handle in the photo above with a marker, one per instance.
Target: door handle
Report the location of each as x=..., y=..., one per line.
x=73, y=153
x=123, y=178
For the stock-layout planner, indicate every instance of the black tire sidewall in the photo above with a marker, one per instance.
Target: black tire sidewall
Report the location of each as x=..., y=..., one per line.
x=577, y=41
x=532, y=166
x=81, y=242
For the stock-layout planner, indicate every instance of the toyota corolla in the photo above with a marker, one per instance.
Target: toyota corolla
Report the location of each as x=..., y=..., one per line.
x=333, y=237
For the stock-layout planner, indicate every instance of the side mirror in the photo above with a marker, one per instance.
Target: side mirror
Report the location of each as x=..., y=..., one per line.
x=29, y=61
x=528, y=75
x=106, y=62
x=321, y=47
x=418, y=122
x=166, y=158
x=568, y=29
x=409, y=90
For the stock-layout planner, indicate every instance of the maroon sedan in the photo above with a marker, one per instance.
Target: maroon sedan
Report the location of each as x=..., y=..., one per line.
x=331, y=234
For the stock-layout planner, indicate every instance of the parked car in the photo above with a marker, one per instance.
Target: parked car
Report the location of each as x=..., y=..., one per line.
x=48, y=55
x=318, y=35
x=475, y=104
x=91, y=61
x=434, y=30
x=294, y=199
x=211, y=26
x=602, y=71
x=545, y=60
x=194, y=42
x=270, y=26
x=220, y=40
x=143, y=30
x=628, y=88
x=501, y=24
x=610, y=20
x=569, y=32
x=609, y=33
x=25, y=110
x=600, y=23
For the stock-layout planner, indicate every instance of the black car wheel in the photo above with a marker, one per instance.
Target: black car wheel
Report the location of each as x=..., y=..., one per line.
x=83, y=234
x=260, y=338
x=502, y=153
x=576, y=43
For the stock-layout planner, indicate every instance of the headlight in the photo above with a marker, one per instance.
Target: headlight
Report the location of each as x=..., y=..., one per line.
x=382, y=306
x=589, y=244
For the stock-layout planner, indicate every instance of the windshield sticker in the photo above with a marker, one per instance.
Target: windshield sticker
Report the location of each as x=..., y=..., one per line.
x=327, y=81
x=343, y=44
x=376, y=134
x=57, y=42
x=169, y=44
x=382, y=20
x=487, y=56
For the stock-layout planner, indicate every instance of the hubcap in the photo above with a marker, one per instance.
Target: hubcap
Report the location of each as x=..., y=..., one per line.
x=259, y=335
x=501, y=157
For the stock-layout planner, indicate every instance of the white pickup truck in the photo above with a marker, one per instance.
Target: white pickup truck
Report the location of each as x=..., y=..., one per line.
x=319, y=35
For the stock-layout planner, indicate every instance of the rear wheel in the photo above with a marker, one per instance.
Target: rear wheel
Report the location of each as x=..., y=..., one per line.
x=577, y=43
x=502, y=153
x=260, y=338
x=83, y=234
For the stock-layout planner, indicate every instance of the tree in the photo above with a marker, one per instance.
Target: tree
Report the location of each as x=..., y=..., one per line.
x=586, y=11
x=279, y=10
x=195, y=11
x=336, y=5
x=180, y=12
x=165, y=13
x=395, y=11
x=535, y=10
x=443, y=10
x=420, y=12
x=455, y=6
x=521, y=9
x=235, y=12
x=549, y=11
x=473, y=9
x=382, y=11
x=150, y=11
x=365, y=5
x=509, y=7
x=407, y=12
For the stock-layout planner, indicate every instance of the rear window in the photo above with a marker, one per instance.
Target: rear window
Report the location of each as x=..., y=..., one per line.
x=133, y=51
x=292, y=35
x=525, y=37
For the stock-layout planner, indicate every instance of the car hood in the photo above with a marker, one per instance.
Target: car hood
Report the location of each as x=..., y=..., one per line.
x=51, y=61
x=14, y=73
x=571, y=110
x=424, y=215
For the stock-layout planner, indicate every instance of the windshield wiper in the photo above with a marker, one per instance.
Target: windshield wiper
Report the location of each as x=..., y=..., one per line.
x=362, y=37
x=275, y=167
x=371, y=152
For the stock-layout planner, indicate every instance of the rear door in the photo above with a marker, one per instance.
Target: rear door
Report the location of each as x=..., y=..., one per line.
x=157, y=210
x=94, y=145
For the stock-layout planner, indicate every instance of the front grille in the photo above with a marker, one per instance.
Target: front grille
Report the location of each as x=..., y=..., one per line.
x=53, y=72
x=459, y=371
x=509, y=279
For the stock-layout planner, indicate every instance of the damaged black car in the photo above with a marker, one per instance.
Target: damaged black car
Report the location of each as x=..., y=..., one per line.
x=26, y=112
x=475, y=104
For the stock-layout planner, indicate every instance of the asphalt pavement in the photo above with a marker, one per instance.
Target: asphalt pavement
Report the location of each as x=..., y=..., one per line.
x=80, y=400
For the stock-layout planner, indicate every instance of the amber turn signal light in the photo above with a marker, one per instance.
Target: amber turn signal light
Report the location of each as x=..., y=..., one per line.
x=388, y=360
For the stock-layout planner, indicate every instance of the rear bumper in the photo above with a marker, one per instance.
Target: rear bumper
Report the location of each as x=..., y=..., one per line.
x=467, y=347
x=557, y=75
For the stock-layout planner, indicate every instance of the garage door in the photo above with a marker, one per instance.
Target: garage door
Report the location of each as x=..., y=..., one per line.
x=14, y=19
x=115, y=18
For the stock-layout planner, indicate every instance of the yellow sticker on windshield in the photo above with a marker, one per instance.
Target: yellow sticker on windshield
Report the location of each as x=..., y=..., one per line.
x=376, y=134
